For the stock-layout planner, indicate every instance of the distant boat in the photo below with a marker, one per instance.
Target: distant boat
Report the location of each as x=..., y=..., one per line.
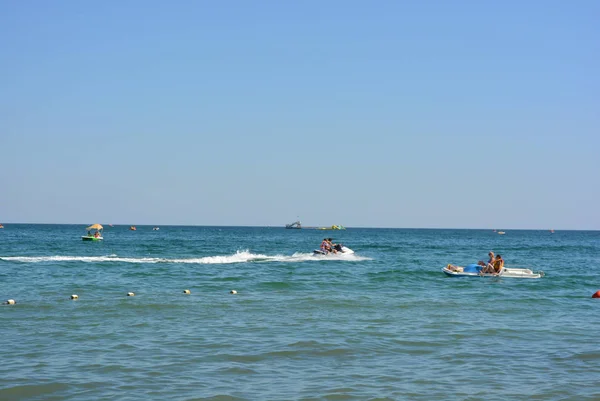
x=333, y=228
x=295, y=225
x=551, y=231
x=501, y=232
x=96, y=235
x=1, y=226
x=132, y=228
x=155, y=229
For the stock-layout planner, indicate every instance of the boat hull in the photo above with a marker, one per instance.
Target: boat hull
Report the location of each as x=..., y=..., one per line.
x=91, y=238
x=506, y=272
x=344, y=251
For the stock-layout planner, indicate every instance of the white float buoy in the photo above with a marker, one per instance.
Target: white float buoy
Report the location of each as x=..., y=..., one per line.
x=11, y=302
x=130, y=294
x=74, y=296
x=187, y=292
x=233, y=292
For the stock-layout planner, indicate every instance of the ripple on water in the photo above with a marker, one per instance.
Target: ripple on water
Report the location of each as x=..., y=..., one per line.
x=32, y=391
x=389, y=326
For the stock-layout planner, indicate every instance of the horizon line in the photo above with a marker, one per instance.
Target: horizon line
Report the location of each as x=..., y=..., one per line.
x=314, y=227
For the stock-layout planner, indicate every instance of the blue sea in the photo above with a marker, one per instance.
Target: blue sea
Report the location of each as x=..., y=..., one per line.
x=382, y=324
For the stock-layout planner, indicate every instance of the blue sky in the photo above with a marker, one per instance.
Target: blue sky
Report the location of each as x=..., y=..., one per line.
x=462, y=114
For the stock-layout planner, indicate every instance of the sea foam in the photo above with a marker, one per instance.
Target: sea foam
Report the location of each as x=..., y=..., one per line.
x=238, y=257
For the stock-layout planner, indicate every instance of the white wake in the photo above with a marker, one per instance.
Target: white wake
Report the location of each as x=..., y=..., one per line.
x=238, y=257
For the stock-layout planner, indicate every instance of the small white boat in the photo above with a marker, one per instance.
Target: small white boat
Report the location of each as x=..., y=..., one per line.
x=474, y=270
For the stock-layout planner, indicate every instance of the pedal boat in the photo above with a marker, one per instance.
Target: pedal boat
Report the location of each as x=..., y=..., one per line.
x=474, y=270
x=96, y=236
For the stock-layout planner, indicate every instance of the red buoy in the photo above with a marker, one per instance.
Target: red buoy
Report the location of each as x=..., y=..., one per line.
x=596, y=294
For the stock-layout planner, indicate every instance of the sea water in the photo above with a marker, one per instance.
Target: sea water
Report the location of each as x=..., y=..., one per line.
x=382, y=324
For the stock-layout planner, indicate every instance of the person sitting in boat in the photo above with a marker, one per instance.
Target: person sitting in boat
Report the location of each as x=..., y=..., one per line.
x=325, y=248
x=335, y=247
x=332, y=246
x=489, y=266
x=96, y=234
x=453, y=268
x=498, y=264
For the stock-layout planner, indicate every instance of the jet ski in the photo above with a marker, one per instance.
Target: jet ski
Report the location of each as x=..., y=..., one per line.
x=341, y=249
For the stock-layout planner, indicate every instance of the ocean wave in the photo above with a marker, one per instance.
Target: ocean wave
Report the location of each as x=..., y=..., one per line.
x=238, y=257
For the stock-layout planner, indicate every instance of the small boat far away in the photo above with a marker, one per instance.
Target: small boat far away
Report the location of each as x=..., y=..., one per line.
x=132, y=228
x=295, y=225
x=94, y=233
x=155, y=229
x=334, y=227
x=501, y=232
x=1, y=226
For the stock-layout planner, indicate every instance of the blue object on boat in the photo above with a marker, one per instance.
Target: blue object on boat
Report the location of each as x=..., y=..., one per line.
x=472, y=268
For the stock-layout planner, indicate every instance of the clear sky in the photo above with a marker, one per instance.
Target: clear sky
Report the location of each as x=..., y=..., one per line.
x=461, y=114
